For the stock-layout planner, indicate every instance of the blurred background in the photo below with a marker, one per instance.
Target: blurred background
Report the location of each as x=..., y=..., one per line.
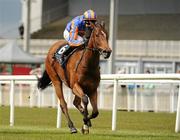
x=147, y=38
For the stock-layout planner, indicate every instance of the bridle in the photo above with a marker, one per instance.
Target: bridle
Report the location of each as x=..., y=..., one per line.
x=95, y=48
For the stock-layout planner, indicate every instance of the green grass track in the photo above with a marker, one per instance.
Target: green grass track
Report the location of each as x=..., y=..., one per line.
x=40, y=123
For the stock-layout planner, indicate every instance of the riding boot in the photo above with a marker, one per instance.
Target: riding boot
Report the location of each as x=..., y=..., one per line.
x=64, y=54
x=67, y=50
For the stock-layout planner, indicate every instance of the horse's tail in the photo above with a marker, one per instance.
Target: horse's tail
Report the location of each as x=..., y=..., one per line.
x=44, y=81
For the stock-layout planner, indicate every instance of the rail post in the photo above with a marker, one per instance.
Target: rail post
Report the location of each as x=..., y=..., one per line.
x=114, y=110
x=12, y=103
x=177, y=125
x=58, y=124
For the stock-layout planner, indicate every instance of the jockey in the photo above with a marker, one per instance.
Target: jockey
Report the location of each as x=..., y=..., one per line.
x=75, y=29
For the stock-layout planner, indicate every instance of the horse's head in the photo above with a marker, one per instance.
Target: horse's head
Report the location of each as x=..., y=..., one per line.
x=99, y=37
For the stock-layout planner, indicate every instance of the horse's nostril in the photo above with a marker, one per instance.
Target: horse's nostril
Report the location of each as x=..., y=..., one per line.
x=106, y=53
x=109, y=52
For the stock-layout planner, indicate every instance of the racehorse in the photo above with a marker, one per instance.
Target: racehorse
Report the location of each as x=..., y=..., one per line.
x=81, y=75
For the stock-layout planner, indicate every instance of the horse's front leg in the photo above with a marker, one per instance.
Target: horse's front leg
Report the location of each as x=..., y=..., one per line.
x=77, y=104
x=77, y=90
x=93, y=101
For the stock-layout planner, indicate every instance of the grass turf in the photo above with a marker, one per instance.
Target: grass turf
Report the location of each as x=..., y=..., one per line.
x=39, y=124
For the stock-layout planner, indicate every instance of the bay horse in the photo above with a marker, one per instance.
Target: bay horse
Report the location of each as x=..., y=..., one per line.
x=82, y=75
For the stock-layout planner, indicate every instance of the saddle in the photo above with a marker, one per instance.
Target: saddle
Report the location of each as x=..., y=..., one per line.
x=62, y=54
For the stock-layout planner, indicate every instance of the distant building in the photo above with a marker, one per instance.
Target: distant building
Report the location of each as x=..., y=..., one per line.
x=46, y=11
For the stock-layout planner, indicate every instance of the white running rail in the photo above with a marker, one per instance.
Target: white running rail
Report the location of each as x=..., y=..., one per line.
x=116, y=78
x=139, y=78
x=12, y=79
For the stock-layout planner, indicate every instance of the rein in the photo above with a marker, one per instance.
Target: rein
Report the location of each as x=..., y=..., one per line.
x=94, y=50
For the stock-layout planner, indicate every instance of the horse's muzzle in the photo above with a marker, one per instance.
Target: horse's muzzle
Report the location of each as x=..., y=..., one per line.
x=106, y=53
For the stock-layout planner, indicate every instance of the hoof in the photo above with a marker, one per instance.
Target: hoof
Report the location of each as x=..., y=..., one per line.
x=89, y=123
x=73, y=130
x=85, y=129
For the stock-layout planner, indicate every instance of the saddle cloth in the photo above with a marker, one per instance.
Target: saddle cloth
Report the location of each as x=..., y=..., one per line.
x=62, y=55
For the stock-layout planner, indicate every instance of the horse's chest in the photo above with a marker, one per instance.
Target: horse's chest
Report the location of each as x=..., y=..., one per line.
x=89, y=82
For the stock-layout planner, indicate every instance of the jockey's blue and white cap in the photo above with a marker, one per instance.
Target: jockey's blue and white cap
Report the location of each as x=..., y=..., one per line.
x=90, y=15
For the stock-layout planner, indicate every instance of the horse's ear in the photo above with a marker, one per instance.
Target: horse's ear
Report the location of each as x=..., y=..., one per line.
x=103, y=24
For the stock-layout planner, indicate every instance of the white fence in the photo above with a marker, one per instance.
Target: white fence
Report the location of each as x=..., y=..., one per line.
x=115, y=78
x=141, y=78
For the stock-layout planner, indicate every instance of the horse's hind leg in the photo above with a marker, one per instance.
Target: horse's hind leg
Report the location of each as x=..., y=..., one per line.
x=59, y=92
x=63, y=105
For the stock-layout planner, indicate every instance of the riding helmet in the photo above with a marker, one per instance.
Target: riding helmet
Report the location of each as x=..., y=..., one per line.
x=90, y=15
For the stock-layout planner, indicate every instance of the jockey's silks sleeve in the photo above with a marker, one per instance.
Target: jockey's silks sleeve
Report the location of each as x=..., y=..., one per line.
x=74, y=35
x=73, y=32
x=76, y=27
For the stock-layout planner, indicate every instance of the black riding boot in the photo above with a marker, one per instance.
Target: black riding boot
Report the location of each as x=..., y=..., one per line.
x=67, y=50
x=62, y=53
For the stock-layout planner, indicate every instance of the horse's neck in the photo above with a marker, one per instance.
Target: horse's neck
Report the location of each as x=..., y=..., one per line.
x=91, y=58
